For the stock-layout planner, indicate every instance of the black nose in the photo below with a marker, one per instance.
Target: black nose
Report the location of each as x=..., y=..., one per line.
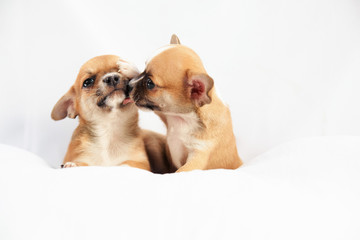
x=112, y=80
x=129, y=87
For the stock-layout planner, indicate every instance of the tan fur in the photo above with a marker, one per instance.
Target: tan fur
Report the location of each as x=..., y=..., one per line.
x=199, y=129
x=157, y=152
x=107, y=135
x=137, y=164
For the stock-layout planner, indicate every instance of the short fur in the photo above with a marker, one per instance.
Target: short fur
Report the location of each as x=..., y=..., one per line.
x=108, y=133
x=199, y=127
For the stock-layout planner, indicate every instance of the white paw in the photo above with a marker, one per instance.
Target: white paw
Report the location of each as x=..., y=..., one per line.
x=69, y=165
x=127, y=69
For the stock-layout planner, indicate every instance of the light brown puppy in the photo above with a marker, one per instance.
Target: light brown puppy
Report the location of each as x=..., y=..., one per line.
x=199, y=130
x=108, y=133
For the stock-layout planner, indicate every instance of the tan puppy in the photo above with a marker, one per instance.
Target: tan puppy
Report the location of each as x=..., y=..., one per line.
x=108, y=133
x=199, y=130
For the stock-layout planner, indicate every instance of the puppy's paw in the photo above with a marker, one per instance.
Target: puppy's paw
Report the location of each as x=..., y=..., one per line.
x=69, y=165
x=127, y=69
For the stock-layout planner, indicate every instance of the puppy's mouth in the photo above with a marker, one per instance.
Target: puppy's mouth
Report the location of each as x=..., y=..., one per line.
x=148, y=105
x=142, y=102
x=102, y=101
x=126, y=101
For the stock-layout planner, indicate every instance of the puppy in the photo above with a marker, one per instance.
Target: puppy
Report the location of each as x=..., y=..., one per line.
x=157, y=152
x=108, y=133
x=177, y=88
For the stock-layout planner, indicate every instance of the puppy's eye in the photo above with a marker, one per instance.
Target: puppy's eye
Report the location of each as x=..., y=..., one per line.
x=149, y=84
x=88, y=82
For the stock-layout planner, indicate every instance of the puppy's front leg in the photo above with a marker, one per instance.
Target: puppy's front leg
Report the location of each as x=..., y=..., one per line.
x=73, y=164
x=142, y=165
x=196, y=160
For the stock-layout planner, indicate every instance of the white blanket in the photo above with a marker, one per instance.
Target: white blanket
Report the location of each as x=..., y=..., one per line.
x=304, y=189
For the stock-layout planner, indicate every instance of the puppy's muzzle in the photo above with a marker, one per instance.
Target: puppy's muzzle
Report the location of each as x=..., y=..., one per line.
x=112, y=80
x=129, y=88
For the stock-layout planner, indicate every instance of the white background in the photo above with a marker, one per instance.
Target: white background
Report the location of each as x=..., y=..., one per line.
x=287, y=69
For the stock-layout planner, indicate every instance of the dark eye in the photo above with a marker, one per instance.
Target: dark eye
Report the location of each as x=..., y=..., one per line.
x=88, y=82
x=149, y=84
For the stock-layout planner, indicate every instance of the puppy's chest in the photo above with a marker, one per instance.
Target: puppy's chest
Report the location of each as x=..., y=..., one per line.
x=107, y=149
x=113, y=152
x=180, y=137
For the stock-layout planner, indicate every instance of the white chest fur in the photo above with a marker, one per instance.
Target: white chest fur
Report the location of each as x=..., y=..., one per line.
x=110, y=145
x=180, y=137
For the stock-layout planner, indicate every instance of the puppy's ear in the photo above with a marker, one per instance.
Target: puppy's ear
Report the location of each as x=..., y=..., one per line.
x=65, y=106
x=127, y=69
x=200, y=86
x=174, y=39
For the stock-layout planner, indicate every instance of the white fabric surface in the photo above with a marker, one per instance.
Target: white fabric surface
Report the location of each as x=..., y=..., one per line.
x=304, y=189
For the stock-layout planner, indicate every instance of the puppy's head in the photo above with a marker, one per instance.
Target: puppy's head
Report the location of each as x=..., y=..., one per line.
x=174, y=81
x=100, y=87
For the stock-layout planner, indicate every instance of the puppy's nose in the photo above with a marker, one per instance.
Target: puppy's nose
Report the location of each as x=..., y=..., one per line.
x=129, y=87
x=112, y=80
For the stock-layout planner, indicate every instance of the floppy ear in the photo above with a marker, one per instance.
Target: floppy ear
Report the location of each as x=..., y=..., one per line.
x=65, y=106
x=174, y=39
x=200, y=85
